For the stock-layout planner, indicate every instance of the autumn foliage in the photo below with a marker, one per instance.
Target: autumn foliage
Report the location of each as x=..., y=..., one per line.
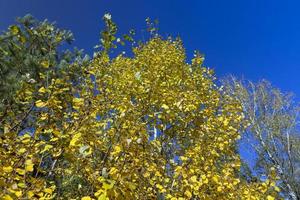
x=146, y=126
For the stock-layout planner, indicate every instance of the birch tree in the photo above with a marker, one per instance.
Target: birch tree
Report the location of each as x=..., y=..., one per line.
x=273, y=116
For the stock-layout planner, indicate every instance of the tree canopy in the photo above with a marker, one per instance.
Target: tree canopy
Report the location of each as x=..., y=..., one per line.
x=146, y=126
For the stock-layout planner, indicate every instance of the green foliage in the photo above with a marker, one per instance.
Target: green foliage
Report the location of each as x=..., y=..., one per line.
x=29, y=50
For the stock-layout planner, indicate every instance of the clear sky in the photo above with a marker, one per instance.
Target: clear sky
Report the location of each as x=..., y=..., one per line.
x=255, y=38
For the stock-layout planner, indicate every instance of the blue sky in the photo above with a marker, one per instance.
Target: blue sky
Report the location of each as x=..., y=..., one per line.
x=255, y=39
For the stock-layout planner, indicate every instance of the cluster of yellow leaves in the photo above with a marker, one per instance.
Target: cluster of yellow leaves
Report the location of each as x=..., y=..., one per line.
x=17, y=180
x=156, y=127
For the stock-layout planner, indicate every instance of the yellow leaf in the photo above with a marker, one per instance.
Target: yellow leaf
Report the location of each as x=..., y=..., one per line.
x=132, y=186
x=183, y=158
x=164, y=106
x=86, y=198
x=29, y=165
x=215, y=178
x=270, y=197
x=56, y=133
x=117, y=150
x=30, y=194
x=188, y=194
x=225, y=122
x=194, y=178
x=158, y=174
x=20, y=171
x=7, y=197
x=48, y=190
x=45, y=63
x=22, y=185
x=43, y=117
x=113, y=171
x=22, y=150
x=40, y=104
x=146, y=174
x=22, y=39
x=75, y=139
x=99, y=192
x=103, y=197
x=159, y=186
x=14, y=29
x=6, y=128
x=18, y=193
x=54, y=139
x=7, y=169
x=78, y=101
x=40, y=194
x=277, y=189
x=46, y=148
x=42, y=90
x=26, y=138
x=108, y=186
